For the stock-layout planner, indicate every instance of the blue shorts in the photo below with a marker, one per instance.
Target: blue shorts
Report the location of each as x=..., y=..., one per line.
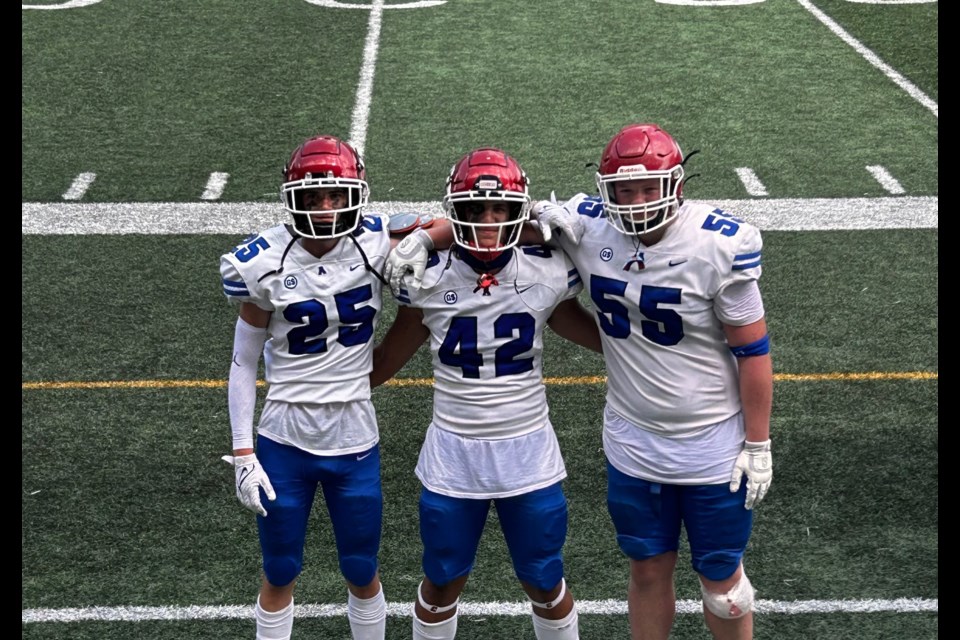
x=648, y=515
x=351, y=489
x=534, y=525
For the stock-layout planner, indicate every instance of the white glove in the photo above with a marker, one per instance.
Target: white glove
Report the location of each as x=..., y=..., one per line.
x=756, y=462
x=553, y=217
x=410, y=255
x=250, y=479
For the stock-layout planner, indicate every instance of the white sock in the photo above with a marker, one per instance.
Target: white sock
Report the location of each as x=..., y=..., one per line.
x=445, y=630
x=368, y=618
x=566, y=628
x=274, y=625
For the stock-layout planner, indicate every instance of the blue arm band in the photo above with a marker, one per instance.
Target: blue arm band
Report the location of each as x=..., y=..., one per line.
x=755, y=348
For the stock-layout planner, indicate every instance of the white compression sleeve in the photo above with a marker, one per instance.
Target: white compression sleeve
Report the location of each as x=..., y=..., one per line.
x=248, y=344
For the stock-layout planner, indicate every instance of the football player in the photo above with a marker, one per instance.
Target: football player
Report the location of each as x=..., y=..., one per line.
x=309, y=294
x=689, y=376
x=484, y=304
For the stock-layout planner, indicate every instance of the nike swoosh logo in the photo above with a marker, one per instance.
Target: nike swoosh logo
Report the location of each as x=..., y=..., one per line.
x=244, y=474
x=366, y=455
x=355, y=267
x=527, y=288
x=674, y=263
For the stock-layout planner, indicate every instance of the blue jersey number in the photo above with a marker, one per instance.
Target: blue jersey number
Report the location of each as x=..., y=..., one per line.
x=720, y=220
x=592, y=206
x=370, y=224
x=249, y=251
x=460, y=349
x=356, y=322
x=660, y=324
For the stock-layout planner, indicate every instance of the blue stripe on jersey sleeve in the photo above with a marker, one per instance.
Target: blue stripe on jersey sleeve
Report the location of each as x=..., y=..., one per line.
x=233, y=288
x=746, y=261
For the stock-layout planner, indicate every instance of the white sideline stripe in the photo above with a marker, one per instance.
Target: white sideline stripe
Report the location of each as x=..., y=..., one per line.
x=79, y=187
x=886, y=180
x=511, y=609
x=71, y=4
x=239, y=218
x=215, y=186
x=873, y=59
x=751, y=182
x=361, y=108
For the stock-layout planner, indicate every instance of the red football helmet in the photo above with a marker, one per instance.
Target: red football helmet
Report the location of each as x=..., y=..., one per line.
x=480, y=177
x=324, y=162
x=641, y=152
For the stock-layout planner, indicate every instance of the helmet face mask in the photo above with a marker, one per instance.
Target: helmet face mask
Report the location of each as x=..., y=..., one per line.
x=327, y=164
x=487, y=202
x=641, y=179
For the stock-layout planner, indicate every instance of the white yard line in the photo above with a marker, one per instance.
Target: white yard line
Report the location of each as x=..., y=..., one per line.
x=361, y=107
x=247, y=217
x=873, y=58
x=512, y=609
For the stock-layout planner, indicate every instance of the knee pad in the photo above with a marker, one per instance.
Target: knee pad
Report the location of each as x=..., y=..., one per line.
x=281, y=570
x=733, y=604
x=358, y=569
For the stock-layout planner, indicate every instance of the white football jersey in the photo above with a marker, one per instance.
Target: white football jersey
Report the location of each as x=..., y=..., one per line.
x=669, y=368
x=487, y=341
x=325, y=310
x=491, y=435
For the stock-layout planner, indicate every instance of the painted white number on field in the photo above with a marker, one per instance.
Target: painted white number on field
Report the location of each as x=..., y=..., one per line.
x=336, y=4
x=70, y=4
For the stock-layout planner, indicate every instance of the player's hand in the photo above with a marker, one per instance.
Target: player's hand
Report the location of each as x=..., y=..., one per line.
x=553, y=217
x=250, y=479
x=410, y=256
x=755, y=462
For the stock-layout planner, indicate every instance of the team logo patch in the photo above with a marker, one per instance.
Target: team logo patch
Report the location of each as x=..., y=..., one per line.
x=485, y=281
x=606, y=254
x=290, y=282
x=450, y=297
x=635, y=260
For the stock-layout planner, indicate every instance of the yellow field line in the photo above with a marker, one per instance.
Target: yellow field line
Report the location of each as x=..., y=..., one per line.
x=426, y=382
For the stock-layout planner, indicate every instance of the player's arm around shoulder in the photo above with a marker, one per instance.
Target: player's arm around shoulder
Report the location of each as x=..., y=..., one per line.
x=410, y=248
x=437, y=229
x=552, y=221
x=570, y=320
x=401, y=341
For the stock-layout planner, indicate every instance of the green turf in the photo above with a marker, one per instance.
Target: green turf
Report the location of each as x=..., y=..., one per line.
x=124, y=500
